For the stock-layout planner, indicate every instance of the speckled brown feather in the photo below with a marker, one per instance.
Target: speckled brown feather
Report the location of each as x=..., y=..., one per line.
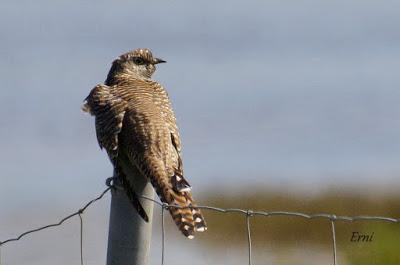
x=134, y=116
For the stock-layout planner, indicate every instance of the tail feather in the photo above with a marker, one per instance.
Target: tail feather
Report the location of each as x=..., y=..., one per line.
x=180, y=184
x=186, y=215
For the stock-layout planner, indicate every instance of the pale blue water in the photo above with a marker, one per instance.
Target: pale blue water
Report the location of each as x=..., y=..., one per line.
x=287, y=93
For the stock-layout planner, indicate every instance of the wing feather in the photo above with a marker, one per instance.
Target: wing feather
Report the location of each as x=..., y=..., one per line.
x=109, y=111
x=162, y=100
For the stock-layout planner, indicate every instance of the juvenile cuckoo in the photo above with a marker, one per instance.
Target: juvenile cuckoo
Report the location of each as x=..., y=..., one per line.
x=135, y=121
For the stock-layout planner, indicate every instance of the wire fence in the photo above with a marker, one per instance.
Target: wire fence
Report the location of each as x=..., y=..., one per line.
x=332, y=218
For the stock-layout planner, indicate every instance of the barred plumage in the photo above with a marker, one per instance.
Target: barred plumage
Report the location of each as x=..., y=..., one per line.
x=134, y=119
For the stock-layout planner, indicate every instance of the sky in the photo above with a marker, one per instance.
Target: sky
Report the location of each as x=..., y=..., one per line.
x=295, y=95
x=268, y=93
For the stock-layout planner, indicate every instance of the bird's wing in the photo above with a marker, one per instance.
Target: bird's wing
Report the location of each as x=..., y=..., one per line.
x=109, y=111
x=161, y=99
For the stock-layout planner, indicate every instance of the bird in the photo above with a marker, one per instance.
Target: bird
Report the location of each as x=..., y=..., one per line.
x=134, y=120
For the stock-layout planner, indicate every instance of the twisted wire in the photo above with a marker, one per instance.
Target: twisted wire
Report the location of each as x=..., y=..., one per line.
x=79, y=212
x=247, y=212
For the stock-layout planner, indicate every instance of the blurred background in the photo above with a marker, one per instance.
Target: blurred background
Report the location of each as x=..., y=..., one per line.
x=282, y=105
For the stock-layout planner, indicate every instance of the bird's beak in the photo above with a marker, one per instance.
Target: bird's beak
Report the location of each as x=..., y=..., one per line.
x=158, y=60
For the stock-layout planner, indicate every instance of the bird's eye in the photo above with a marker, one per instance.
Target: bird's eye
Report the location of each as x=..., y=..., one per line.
x=138, y=60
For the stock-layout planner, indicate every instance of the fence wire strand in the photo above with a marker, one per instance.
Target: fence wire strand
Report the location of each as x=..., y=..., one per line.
x=334, y=241
x=248, y=215
x=162, y=234
x=81, y=236
x=79, y=212
x=247, y=212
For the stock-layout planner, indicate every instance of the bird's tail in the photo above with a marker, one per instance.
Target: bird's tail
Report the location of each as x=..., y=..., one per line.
x=186, y=215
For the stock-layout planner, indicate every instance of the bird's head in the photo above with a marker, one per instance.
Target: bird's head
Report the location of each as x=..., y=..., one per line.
x=139, y=63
